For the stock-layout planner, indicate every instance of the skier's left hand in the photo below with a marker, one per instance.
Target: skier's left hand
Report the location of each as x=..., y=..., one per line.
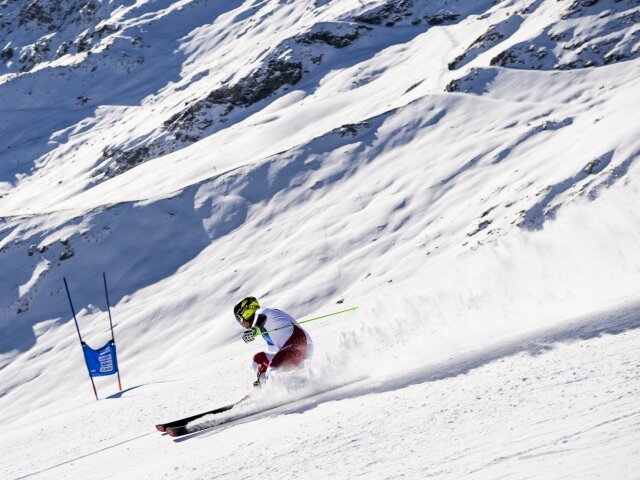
x=248, y=335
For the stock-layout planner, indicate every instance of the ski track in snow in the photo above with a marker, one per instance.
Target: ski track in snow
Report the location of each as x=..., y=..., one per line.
x=465, y=172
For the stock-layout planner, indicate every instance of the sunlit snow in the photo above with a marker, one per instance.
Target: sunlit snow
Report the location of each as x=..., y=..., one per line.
x=464, y=172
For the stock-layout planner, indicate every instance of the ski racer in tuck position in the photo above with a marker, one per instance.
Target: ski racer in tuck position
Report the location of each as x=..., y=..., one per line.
x=289, y=345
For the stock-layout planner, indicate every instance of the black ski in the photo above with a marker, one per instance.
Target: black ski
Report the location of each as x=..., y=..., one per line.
x=180, y=430
x=164, y=427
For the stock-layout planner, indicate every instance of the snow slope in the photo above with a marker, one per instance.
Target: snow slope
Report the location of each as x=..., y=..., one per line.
x=560, y=405
x=464, y=172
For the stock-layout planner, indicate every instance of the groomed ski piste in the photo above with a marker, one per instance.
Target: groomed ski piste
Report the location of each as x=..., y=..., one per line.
x=465, y=173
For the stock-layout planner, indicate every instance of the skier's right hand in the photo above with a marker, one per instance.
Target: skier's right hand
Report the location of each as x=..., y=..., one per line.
x=248, y=335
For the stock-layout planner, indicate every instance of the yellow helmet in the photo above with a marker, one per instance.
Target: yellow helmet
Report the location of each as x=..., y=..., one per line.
x=245, y=309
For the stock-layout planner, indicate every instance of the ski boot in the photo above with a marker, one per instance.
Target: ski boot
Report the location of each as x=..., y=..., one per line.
x=259, y=383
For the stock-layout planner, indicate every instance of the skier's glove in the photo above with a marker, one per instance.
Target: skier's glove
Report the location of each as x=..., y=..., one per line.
x=249, y=335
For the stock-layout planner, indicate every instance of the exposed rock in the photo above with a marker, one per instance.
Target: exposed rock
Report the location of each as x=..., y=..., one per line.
x=43, y=13
x=476, y=81
x=563, y=46
x=190, y=125
x=481, y=226
x=453, y=85
x=390, y=13
x=63, y=49
x=396, y=11
x=66, y=254
x=526, y=58
x=24, y=306
x=41, y=24
x=351, y=129
x=6, y=54
x=248, y=91
x=126, y=159
x=484, y=42
x=35, y=53
x=442, y=19
x=92, y=37
x=598, y=165
x=259, y=85
x=577, y=7
x=330, y=38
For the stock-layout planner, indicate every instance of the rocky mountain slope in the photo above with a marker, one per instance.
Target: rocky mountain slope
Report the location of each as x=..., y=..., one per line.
x=468, y=165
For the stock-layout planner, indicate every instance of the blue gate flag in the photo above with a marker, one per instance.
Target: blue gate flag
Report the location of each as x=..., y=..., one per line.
x=101, y=362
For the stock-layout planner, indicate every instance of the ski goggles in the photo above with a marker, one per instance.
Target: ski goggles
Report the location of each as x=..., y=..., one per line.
x=245, y=309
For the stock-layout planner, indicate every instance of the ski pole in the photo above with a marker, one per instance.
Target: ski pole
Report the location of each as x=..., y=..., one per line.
x=73, y=311
x=352, y=309
x=113, y=339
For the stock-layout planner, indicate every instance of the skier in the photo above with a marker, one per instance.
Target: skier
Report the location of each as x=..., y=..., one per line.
x=289, y=345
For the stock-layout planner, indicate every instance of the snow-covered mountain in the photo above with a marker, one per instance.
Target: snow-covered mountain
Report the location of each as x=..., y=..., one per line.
x=463, y=171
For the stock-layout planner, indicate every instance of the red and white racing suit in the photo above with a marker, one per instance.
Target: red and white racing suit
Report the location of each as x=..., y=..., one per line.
x=289, y=345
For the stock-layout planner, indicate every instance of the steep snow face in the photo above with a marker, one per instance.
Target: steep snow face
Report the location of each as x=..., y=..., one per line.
x=462, y=171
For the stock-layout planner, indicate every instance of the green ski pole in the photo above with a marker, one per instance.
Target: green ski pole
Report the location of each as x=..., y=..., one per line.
x=352, y=309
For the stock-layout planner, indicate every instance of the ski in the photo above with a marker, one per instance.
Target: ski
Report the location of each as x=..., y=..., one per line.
x=178, y=431
x=181, y=430
x=164, y=427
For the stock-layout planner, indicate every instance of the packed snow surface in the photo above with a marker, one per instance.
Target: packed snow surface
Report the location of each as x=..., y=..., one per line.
x=464, y=172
